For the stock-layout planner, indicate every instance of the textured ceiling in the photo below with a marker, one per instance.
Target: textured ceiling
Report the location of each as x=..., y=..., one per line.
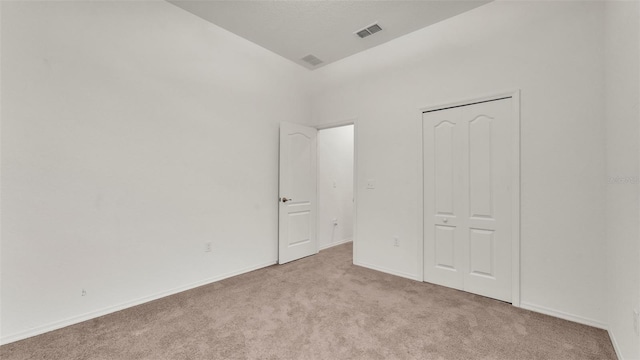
x=325, y=29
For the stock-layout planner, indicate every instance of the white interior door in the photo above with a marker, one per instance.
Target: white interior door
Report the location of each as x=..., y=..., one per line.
x=467, y=198
x=297, y=213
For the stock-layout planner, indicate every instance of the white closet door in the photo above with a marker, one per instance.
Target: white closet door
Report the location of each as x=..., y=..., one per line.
x=443, y=243
x=467, y=197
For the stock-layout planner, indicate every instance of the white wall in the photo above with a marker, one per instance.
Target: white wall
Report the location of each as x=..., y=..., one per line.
x=553, y=51
x=622, y=115
x=335, y=185
x=132, y=133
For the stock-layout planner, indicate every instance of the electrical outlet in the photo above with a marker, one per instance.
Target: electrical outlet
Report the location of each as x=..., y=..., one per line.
x=396, y=241
x=371, y=184
x=636, y=322
x=207, y=246
x=84, y=292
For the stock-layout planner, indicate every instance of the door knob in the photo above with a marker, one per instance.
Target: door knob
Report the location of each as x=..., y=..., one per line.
x=445, y=220
x=284, y=199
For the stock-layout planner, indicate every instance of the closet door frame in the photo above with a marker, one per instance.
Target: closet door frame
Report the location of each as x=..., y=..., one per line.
x=515, y=182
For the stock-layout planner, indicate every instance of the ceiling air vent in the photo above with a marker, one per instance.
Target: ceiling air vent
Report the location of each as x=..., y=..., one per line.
x=370, y=30
x=314, y=61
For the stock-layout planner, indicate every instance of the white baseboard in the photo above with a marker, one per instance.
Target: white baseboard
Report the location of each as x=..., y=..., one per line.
x=616, y=347
x=326, y=246
x=563, y=315
x=385, y=270
x=108, y=310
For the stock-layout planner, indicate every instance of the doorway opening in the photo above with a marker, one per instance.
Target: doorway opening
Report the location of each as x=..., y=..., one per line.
x=335, y=216
x=298, y=218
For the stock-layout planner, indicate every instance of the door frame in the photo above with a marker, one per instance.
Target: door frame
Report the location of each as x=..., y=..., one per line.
x=354, y=122
x=515, y=183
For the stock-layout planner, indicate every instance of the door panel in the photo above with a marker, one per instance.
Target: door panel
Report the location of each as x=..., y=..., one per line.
x=467, y=198
x=443, y=169
x=488, y=160
x=481, y=251
x=445, y=251
x=480, y=192
x=444, y=241
x=299, y=164
x=299, y=225
x=297, y=212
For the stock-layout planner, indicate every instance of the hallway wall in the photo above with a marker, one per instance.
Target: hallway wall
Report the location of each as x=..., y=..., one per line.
x=335, y=185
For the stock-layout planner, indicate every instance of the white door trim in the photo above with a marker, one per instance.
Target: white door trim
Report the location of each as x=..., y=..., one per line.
x=354, y=122
x=515, y=183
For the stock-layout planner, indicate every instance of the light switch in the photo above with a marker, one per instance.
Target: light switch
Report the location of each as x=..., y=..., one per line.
x=371, y=184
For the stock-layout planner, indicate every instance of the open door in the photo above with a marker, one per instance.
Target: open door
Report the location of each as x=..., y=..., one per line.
x=297, y=214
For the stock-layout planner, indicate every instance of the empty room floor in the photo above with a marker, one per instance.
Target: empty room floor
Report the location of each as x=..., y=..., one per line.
x=320, y=307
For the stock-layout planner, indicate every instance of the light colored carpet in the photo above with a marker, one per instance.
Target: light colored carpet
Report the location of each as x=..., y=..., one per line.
x=320, y=307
